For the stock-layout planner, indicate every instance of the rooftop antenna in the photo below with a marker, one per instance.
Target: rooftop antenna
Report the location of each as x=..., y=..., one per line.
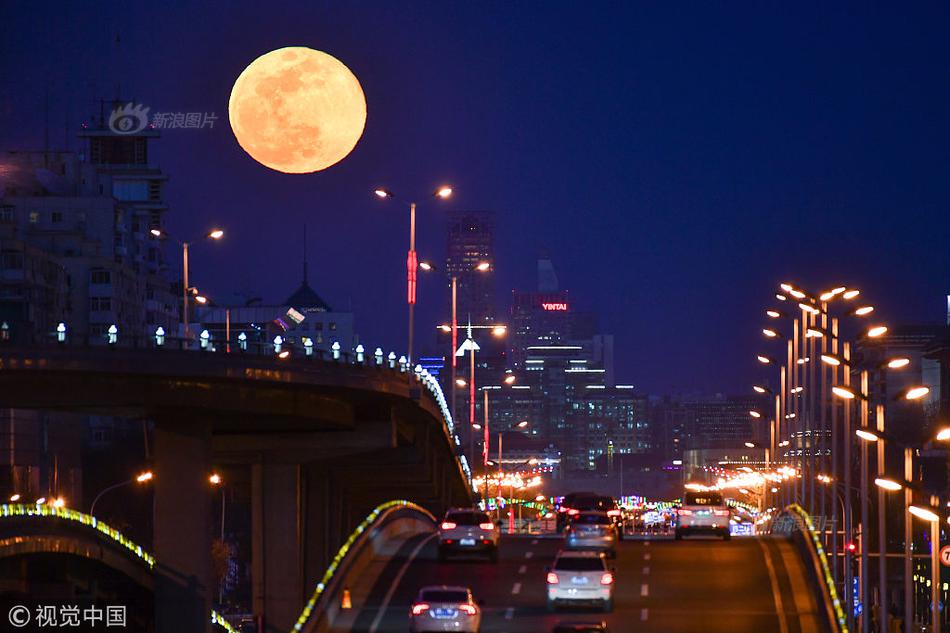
x=46, y=128
x=305, y=252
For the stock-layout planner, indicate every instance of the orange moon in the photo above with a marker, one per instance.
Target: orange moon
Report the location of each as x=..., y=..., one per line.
x=297, y=110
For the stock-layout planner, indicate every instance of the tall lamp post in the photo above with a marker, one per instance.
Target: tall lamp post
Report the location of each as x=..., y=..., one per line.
x=214, y=235
x=412, y=262
x=453, y=327
x=469, y=345
x=140, y=479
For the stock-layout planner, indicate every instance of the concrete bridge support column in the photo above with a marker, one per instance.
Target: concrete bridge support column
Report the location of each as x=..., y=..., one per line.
x=182, y=524
x=277, y=552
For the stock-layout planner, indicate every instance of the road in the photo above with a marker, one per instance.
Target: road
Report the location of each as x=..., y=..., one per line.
x=744, y=585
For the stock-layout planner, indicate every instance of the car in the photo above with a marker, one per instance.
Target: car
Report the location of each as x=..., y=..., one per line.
x=576, y=502
x=580, y=578
x=468, y=531
x=702, y=512
x=445, y=608
x=580, y=627
x=591, y=531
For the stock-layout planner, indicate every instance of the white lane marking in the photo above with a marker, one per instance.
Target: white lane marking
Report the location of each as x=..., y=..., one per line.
x=396, y=581
x=516, y=589
x=528, y=554
x=646, y=556
x=644, y=590
x=644, y=615
x=776, y=591
x=509, y=613
x=646, y=571
x=522, y=569
x=646, y=542
x=534, y=541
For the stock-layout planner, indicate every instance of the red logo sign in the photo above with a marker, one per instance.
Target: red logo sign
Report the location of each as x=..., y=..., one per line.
x=555, y=307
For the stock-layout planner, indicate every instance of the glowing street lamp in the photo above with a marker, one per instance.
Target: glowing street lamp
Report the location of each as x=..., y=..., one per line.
x=898, y=363
x=215, y=479
x=765, y=360
x=830, y=359
x=877, y=331
x=755, y=414
x=924, y=513
x=863, y=310
x=142, y=478
x=943, y=435
x=866, y=435
x=916, y=393
x=761, y=389
x=844, y=392
x=888, y=484
x=412, y=263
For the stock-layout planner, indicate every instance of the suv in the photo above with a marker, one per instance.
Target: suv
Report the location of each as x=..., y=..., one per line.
x=592, y=531
x=468, y=530
x=580, y=578
x=577, y=502
x=703, y=512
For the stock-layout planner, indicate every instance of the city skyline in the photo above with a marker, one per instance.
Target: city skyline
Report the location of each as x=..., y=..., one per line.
x=764, y=176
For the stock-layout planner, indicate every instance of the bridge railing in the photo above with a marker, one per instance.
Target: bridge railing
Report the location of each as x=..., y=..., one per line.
x=795, y=523
x=355, y=552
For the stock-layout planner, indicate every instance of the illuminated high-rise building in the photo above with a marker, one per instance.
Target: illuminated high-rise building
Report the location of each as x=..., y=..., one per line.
x=471, y=242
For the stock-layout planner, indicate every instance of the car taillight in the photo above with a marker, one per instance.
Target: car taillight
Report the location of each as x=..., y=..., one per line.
x=613, y=513
x=572, y=512
x=468, y=609
x=487, y=526
x=607, y=578
x=448, y=525
x=419, y=608
x=721, y=513
x=552, y=578
x=685, y=512
x=563, y=509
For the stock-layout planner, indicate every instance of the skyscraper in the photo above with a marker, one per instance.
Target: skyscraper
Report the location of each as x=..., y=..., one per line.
x=470, y=242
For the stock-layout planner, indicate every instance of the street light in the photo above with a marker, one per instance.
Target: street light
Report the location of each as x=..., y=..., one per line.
x=141, y=478
x=412, y=263
x=916, y=393
x=214, y=234
x=877, y=331
x=888, y=484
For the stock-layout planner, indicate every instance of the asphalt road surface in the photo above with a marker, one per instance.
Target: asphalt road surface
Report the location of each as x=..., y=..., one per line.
x=746, y=585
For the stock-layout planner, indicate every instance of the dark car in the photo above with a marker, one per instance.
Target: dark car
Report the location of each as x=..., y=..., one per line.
x=576, y=502
x=580, y=627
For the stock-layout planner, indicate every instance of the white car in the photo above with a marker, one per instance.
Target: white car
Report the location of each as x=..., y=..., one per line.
x=444, y=608
x=468, y=531
x=580, y=578
x=703, y=512
x=591, y=530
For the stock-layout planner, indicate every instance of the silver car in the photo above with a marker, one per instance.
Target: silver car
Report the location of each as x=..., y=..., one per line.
x=468, y=531
x=592, y=531
x=580, y=578
x=703, y=512
x=445, y=608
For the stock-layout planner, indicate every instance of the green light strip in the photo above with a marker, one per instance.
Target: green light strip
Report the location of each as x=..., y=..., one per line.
x=344, y=550
x=826, y=571
x=24, y=510
x=14, y=510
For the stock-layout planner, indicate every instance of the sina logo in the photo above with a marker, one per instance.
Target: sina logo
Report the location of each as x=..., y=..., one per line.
x=128, y=119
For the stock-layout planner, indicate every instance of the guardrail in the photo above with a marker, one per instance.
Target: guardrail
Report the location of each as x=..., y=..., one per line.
x=22, y=510
x=317, y=606
x=794, y=520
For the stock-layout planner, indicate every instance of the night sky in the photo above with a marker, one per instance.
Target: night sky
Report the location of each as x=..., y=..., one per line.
x=676, y=163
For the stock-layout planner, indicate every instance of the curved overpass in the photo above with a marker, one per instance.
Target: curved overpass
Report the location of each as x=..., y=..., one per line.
x=325, y=441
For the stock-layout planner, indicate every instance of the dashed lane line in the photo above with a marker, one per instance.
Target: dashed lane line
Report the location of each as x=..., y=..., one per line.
x=644, y=614
x=392, y=589
x=644, y=590
x=516, y=589
x=523, y=569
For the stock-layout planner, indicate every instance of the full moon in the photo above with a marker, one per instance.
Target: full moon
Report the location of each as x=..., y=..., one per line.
x=297, y=110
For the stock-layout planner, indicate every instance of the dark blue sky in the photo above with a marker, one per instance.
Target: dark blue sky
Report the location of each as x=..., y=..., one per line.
x=676, y=162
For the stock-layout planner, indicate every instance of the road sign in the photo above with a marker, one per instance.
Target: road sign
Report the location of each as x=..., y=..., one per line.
x=945, y=555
